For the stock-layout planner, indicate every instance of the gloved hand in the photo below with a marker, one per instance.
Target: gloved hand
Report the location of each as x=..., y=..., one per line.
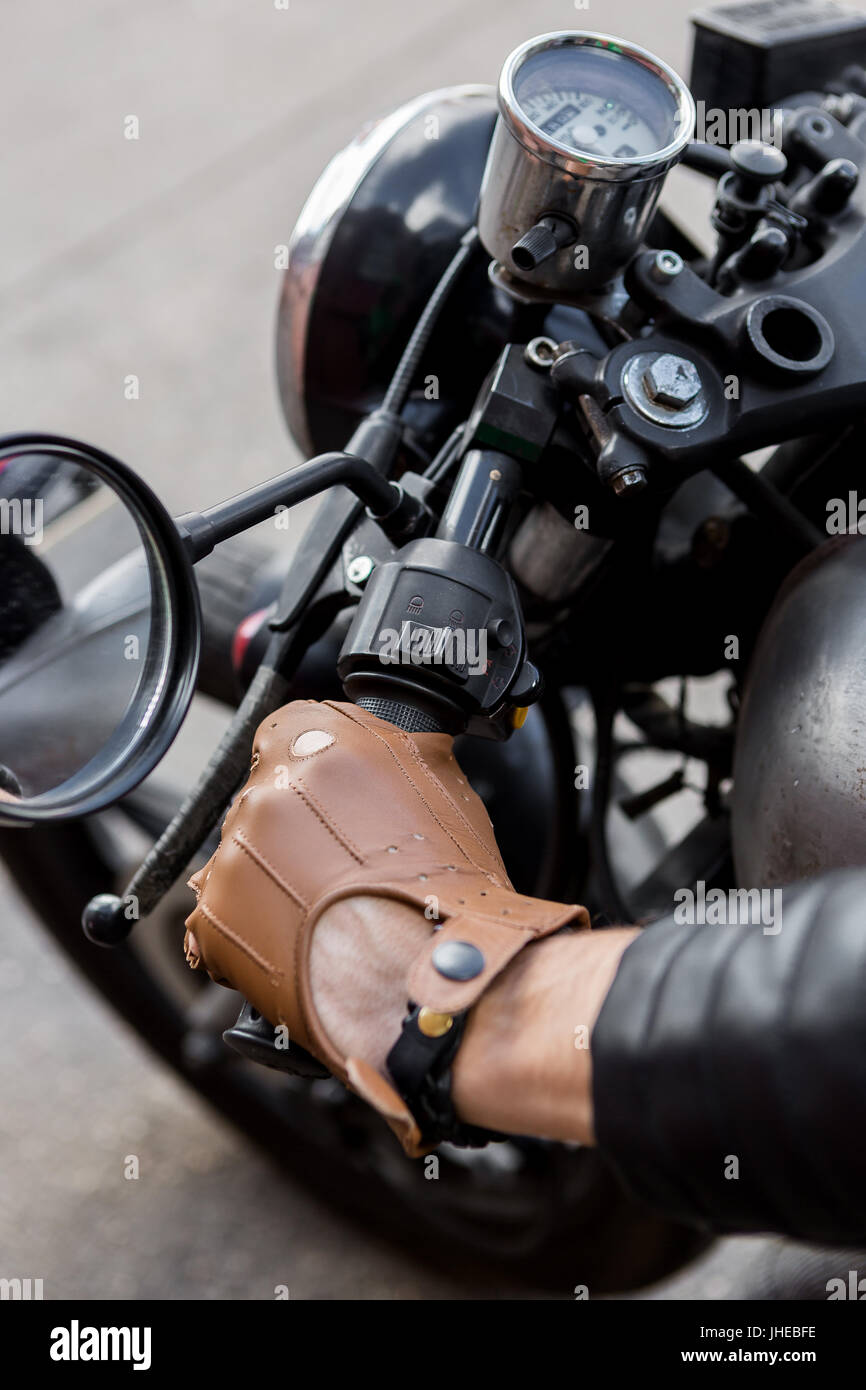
x=346, y=819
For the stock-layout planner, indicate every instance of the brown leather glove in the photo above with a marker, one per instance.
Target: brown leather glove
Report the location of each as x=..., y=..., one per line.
x=340, y=804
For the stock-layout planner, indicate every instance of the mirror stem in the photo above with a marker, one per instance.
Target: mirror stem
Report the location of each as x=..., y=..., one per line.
x=398, y=514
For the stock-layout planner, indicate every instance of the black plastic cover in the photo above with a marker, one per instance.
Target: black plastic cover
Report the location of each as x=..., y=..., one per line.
x=754, y=54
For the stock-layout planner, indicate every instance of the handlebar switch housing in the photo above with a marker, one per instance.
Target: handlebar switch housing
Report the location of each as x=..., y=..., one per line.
x=440, y=629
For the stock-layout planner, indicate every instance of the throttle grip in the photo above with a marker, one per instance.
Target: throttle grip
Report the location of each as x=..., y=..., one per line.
x=401, y=715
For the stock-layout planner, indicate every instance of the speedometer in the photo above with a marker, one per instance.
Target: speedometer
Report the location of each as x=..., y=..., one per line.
x=586, y=94
x=590, y=122
x=588, y=126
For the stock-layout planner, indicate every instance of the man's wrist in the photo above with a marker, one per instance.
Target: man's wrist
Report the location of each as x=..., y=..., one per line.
x=525, y=1063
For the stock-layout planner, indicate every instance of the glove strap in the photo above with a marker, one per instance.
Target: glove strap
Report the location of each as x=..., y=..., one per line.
x=419, y=1064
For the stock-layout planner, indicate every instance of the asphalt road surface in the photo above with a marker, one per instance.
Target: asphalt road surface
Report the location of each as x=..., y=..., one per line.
x=154, y=258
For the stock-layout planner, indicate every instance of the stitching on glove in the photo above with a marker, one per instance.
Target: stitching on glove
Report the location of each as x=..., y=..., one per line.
x=529, y=907
x=239, y=941
x=414, y=753
x=312, y=805
x=474, y=917
x=267, y=868
x=311, y=1023
x=440, y=786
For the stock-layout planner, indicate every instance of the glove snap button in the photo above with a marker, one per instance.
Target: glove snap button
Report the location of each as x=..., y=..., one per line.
x=458, y=960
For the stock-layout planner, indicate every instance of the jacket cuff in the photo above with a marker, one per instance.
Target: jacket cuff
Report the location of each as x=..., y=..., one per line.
x=729, y=1067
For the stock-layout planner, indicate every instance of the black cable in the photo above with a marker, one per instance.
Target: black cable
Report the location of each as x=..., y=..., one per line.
x=401, y=382
x=438, y=468
x=767, y=503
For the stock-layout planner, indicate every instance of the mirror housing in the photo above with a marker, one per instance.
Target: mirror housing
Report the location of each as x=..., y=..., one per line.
x=166, y=683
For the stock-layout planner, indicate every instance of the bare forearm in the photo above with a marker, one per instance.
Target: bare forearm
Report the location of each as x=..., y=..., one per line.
x=525, y=1064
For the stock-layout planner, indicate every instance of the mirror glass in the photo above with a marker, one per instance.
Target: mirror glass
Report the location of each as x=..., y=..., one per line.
x=87, y=628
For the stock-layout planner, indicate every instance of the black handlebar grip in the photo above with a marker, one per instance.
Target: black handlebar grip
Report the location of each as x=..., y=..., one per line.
x=401, y=715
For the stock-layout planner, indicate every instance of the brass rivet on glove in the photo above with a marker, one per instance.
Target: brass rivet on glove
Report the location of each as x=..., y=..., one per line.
x=433, y=1025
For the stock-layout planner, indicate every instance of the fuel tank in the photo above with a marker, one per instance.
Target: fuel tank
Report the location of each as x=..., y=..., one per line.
x=799, y=799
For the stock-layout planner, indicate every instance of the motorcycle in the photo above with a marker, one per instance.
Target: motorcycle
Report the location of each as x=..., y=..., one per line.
x=533, y=407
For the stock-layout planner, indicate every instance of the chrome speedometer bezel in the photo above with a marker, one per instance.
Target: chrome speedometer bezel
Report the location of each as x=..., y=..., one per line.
x=564, y=157
x=601, y=205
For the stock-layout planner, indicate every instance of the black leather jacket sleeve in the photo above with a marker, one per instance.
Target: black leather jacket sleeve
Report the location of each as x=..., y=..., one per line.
x=729, y=1068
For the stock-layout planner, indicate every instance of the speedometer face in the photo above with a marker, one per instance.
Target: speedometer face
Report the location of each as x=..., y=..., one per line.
x=599, y=101
x=591, y=124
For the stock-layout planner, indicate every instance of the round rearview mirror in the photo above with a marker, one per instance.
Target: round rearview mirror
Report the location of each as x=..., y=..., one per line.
x=99, y=629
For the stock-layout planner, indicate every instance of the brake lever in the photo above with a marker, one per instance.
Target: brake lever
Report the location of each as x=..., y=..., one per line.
x=253, y=1037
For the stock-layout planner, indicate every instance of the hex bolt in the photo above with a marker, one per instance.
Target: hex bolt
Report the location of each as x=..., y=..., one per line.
x=672, y=381
x=358, y=571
